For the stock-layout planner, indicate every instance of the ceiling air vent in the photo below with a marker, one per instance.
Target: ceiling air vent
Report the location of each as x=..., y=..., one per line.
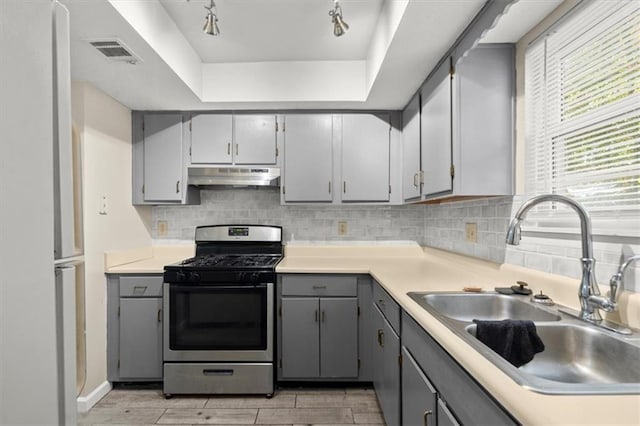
x=115, y=50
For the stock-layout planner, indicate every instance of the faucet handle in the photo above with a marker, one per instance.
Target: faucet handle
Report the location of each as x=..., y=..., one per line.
x=614, y=283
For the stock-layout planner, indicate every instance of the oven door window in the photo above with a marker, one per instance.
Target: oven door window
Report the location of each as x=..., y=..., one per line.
x=218, y=317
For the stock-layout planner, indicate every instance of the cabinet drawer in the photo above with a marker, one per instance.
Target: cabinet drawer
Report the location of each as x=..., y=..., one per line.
x=319, y=285
x=141, y=286
x=387, y=306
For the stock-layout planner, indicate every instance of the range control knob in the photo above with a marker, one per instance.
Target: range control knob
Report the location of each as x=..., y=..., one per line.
x=194, y=276
x=181, y=276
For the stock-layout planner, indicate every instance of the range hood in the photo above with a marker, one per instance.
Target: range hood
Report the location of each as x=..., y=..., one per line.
x=233, y=176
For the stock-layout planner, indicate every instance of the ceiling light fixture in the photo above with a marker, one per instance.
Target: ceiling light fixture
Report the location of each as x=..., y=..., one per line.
x=211, y=22
x=339, y=26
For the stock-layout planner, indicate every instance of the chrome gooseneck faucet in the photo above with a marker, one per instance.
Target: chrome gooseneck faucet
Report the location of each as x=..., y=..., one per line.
x=589, y=293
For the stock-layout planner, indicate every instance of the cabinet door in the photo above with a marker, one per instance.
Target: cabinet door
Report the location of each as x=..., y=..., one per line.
x=141, y=338
x=387, y=370
x=365, y=157
x=418, y=394
x=308, y=157
x=411, y=150
x=445, y=417
x=300, y=338
x=339, y=337
x=255, y=139
x=162, y=157
x=436, y=135
x=211, y=138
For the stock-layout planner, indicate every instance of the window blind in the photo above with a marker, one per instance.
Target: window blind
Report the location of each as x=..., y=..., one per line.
x=582, y=91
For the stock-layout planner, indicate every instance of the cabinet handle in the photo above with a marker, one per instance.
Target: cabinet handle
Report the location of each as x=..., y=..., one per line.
x=425, y=417
x=381, y=338
x=344, y=186
x=229, y=148
x=159, y=315
x=237, y=150
x=381, y=303
x=319, y=287
x=316, y=315
x=217, y=372
x=323, y=316
x=416, y=180
x=329, y=187
x=177, y=187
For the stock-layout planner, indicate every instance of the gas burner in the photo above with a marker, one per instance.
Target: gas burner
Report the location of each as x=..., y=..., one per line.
x=231, y=261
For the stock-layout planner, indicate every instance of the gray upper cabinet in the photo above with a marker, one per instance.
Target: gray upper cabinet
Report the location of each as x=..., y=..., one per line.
x=308, y=158
x=211, y=139
x=255, y=139
x=240, y=139
x=436, y=133
x=365, y=157
x=483, y=121
x=163, y=157
x=159, y=157
x=467, y=121
x=411, y=176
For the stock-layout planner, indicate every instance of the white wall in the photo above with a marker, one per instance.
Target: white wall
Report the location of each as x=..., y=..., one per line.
x=104, y=126
x=28, y=365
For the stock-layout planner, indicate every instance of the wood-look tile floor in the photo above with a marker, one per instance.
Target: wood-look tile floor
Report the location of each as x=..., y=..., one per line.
x=289, y=406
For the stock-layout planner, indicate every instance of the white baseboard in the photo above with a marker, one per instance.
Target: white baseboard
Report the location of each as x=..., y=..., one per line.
x=86, y=402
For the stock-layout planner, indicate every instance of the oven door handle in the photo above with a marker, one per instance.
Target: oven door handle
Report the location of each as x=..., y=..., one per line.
x=217, y=372
x=219, y=287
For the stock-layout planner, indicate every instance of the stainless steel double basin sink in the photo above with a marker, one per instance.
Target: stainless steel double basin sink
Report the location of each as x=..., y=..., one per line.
x=579, y=358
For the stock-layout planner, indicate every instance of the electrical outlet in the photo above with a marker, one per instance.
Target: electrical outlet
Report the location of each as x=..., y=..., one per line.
x=163, y=227
x=471, y=232
x=342, y=228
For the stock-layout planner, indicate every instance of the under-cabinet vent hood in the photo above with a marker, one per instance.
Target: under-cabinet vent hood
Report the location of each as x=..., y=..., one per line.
x=233, y=176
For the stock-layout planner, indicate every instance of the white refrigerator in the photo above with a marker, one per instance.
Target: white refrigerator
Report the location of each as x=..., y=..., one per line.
x=39, y=216
x=68, y=245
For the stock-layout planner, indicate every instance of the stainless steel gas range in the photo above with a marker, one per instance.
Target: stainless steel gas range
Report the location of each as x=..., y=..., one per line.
x=219, y=313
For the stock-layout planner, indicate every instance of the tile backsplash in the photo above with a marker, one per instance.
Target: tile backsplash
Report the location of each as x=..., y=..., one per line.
x=441, y=226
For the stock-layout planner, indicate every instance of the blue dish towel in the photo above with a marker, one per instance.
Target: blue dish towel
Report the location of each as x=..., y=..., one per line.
x=517, y=341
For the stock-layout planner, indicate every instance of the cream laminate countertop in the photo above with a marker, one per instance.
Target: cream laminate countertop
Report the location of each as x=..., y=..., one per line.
x=145, y=260
x=406, y=269
x=402, y=268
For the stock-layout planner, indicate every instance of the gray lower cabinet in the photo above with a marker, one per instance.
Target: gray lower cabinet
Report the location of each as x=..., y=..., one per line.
x=420, y=402
x=318, y=327
x=433, y=382
x=386, y=356
x=319, y=337
x=134, y=328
